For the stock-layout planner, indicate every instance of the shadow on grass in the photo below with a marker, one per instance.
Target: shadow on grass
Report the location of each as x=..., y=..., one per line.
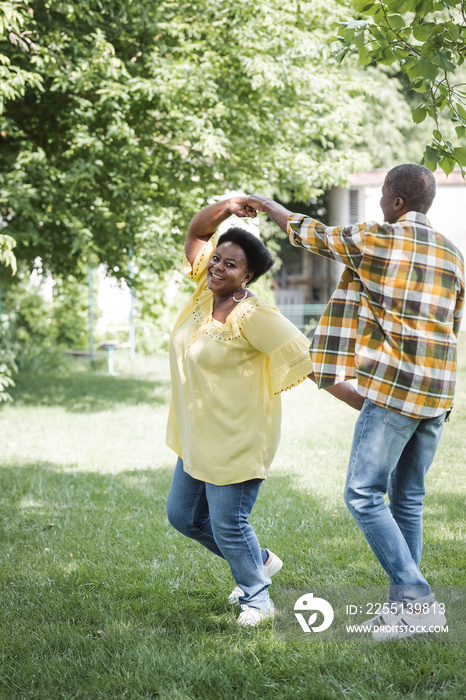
x=87, y=392
x=123, y=515
x=92, y=570
x=94, y=577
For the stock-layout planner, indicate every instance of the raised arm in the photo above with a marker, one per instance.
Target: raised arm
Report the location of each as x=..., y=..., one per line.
x=342, y=243
x=204, y=224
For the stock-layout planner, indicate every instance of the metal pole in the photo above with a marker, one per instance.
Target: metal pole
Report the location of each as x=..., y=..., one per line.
x=111, y=369
x=132, y=334
x=91, y=316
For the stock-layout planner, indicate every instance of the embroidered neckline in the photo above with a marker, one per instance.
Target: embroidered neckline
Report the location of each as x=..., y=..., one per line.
x=231, y=329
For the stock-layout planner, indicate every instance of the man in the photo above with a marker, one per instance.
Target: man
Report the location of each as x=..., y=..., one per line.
x=392, y=323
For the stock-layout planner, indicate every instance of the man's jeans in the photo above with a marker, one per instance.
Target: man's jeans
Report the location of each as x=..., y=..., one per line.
x=217, y=517
x=391, y=453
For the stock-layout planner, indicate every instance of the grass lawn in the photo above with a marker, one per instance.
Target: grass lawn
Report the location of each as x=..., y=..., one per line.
x=101, y=598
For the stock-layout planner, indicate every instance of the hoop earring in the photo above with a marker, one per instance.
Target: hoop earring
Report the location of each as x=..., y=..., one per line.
x=243, y=297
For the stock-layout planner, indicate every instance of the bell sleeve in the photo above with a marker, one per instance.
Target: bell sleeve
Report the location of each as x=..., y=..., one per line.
x=287, y=348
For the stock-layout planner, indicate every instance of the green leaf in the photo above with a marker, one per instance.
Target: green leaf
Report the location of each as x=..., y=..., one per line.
x=447, y=164
x=423, y=32
x=461, y=111
x=365, y=58
x=409, y=63
x=421, y=86
x=427, y=69
x=460, y=131
x=433, y=155
x=419, y=114
x=359, y=39
x=443, y=62
x=441, y=102
x=377, y=34
x=428, y=163
x=346, y=34
x=362, y=5
x=398, y=5
x=396, y=22
x=453, y=31
x=460, y=155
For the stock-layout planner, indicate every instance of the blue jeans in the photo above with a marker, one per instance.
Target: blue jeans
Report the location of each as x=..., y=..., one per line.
x=391, y=453
x=217, y=517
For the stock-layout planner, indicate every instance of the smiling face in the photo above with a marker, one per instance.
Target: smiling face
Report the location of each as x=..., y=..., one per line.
x=227, y=269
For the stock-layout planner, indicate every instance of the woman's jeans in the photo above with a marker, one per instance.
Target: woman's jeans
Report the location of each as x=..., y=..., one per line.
x=217, y=517
x=391, y=453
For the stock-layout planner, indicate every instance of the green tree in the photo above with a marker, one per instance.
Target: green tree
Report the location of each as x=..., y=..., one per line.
x=425, y=41
x=120, y=118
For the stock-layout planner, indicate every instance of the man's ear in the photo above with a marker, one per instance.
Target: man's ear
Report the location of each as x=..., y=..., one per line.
x=399, y=203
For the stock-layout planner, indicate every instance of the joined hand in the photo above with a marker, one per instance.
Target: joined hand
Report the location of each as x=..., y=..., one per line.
x=254, y=203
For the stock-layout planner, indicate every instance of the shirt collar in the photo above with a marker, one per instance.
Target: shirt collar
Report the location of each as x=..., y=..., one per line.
x=415, y=217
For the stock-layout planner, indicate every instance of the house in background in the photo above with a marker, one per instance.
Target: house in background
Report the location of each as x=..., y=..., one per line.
x=305, y=282
x=360, y=202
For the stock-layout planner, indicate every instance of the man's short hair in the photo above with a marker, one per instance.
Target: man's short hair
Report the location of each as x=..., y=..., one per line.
x=415, y=184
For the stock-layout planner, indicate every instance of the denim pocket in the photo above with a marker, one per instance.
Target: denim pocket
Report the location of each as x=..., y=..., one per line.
x=442, y=418
x=397, y=421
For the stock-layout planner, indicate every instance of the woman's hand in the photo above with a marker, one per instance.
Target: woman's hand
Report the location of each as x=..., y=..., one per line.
x=206, y=222
x=347, y=393
x=344, y=391
x=237, y=208
x=254, y=203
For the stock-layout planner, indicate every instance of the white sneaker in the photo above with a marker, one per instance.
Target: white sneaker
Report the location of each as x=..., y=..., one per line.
x=274, y=566
x=270, y=570
x=251, y=617
x=421, y=616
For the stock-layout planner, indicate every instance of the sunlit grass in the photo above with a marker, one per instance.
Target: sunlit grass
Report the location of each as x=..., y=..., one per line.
x=101, y=598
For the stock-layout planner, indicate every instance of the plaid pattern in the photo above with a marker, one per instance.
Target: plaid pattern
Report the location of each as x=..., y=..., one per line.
x=394, y=318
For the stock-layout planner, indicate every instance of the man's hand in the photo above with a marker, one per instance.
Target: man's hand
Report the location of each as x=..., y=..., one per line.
x=236, y=207
x=254, y=203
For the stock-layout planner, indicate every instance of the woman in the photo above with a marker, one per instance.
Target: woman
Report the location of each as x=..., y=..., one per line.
x=231, y=354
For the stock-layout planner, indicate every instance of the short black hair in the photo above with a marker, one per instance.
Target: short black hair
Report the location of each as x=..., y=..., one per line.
x=415, y=184
x=258, y=257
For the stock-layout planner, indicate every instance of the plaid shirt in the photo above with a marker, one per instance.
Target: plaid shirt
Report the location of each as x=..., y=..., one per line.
x=394, y=318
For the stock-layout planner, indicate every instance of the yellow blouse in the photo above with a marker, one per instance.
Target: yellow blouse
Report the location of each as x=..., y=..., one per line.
x=225, y=413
